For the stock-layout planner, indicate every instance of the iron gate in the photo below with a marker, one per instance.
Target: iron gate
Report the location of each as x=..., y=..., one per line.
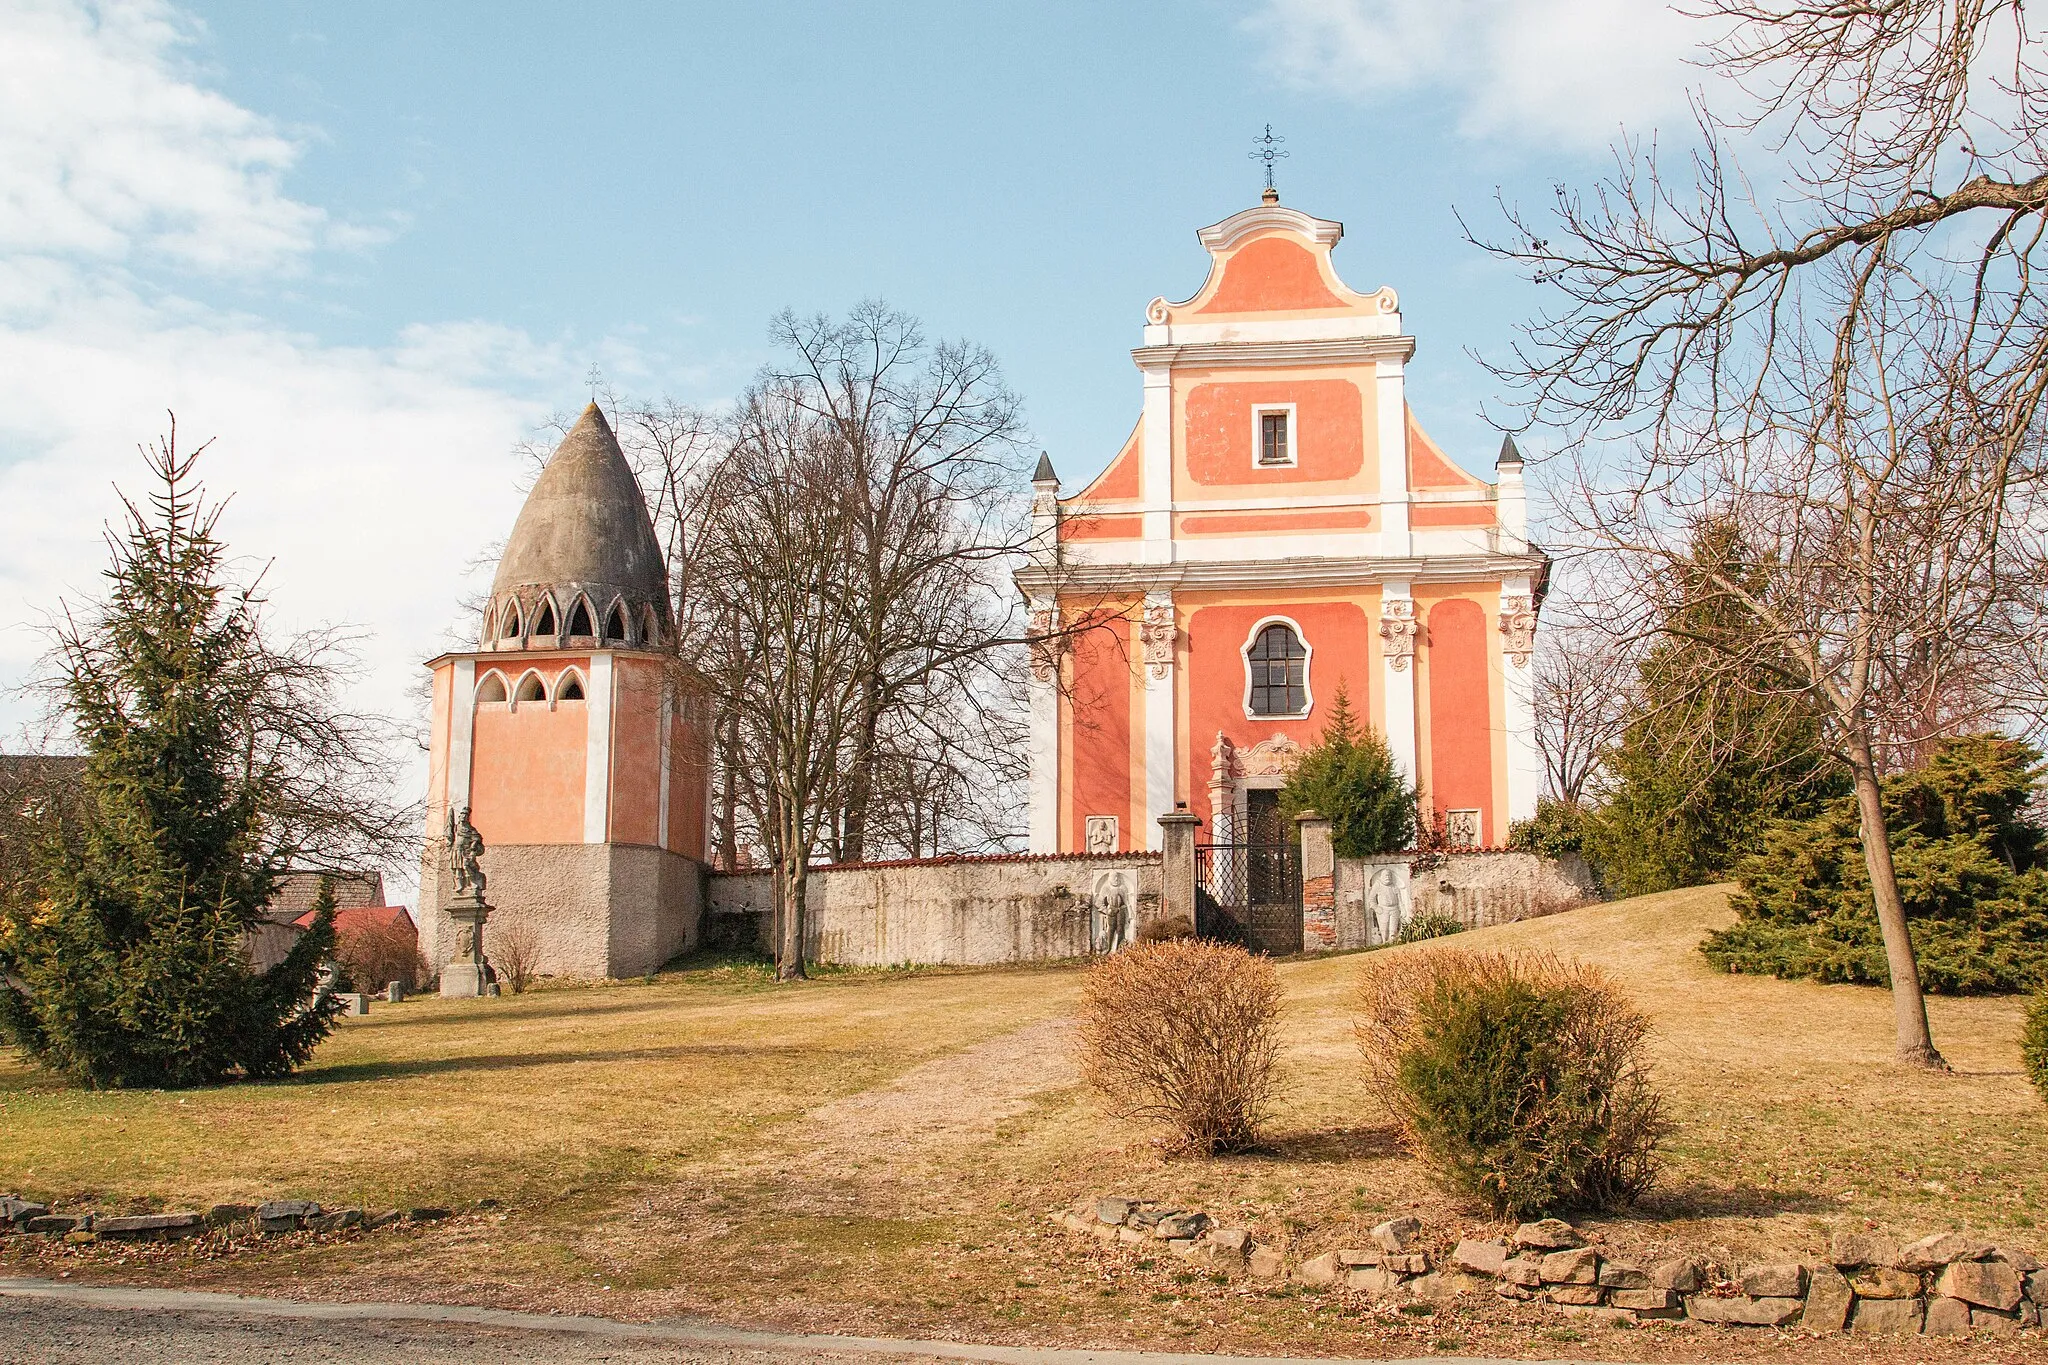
x=1249, y=894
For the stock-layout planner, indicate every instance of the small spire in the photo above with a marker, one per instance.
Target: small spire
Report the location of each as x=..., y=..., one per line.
x=1508, y=453
x=1044, y=473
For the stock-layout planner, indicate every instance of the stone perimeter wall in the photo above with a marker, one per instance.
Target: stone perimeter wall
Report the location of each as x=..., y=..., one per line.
x=1946, y=1285
x=954, y=911
x=1375, y=897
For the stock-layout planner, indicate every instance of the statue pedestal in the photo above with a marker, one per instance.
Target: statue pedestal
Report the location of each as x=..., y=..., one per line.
x=464, y=976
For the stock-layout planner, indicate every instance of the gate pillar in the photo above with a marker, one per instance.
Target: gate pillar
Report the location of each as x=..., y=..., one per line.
x=1318, y=884
x=1177, y=866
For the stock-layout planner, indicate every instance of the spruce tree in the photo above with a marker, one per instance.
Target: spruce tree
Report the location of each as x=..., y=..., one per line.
x=123, y=957
x=1714, y=754
x=1350, y=778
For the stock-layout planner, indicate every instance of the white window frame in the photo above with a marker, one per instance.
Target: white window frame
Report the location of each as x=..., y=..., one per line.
x=1260, y=411
x=1308, y=659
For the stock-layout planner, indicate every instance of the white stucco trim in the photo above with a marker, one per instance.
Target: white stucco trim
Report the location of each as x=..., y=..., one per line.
x=1043, y=790
x=597, y=751
x=1156, y=466
x=664, y=747
x=1391, y=404
x=1352, y=327
x=1280, y=571
x=1293, y=460
x=1398, y=699
x=1159, y=735
x=1272, y=354
x=462, y=731
x=1264, y=218
x=1518, y=693
x=1308, y=659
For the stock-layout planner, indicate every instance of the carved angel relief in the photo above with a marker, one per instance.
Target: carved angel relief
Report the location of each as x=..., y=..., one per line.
x=1158, y=633
x=1397, y=629
x=1518, y=629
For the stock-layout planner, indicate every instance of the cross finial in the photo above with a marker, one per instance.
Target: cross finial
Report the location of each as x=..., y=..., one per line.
x=1267, y=149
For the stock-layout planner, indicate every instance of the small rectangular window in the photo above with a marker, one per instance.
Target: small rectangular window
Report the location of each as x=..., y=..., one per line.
x=1273, y=439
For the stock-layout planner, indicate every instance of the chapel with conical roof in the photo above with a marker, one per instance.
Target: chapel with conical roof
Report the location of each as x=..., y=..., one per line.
x=571, y=735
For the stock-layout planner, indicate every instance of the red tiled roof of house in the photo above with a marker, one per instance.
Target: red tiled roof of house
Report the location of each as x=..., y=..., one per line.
x=355, y=918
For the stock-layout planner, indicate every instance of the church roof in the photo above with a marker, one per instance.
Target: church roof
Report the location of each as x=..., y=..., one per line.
x=585, y=522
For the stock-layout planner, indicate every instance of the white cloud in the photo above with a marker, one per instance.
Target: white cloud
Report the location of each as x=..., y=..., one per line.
x=367, y=477
x=1570, y=71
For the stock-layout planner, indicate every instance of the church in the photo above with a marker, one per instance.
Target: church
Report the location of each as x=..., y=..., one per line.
x=1277, y=527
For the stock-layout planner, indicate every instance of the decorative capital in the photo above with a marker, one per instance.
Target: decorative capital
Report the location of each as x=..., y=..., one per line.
x=1042, y=625
x=1518, y=629
x=1397, y=631
x=1158, y=633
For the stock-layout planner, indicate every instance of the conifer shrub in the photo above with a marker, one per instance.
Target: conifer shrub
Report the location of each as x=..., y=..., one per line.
x=2034, y=1044
x=1351, y=779
x=1522, y=1081
x=1184, y=1033
x=1970, y=869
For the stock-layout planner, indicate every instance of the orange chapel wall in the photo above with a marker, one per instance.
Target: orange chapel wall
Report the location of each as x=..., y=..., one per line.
x=1460, y=705
x=527, y=765
x=1102, y=728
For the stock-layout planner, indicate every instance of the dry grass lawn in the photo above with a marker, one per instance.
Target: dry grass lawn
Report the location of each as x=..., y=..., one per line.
x=877, y=1151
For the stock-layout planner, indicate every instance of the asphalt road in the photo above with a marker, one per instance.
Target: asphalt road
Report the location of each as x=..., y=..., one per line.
x=53, y=1323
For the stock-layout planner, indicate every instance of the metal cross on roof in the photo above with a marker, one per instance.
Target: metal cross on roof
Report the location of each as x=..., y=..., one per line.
x=1267, y=149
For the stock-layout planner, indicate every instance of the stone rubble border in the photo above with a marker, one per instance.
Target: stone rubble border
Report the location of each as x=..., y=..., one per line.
x=26, y=1217
x=1944, y=1285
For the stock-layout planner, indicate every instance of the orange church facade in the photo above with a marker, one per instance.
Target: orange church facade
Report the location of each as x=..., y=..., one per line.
x=1277, y=526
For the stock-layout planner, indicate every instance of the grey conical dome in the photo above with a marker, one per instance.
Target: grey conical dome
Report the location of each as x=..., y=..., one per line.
x=583, y=537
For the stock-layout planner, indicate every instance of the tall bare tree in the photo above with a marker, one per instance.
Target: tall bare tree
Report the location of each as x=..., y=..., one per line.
x=1846, y=367
x=1582, y=704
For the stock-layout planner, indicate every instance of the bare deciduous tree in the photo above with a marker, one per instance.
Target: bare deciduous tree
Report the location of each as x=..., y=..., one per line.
x=1847, y=369
x=1582, y=704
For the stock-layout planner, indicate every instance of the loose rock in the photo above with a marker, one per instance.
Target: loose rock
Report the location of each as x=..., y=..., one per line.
x=1883, y=1282
x=1851, y=1248
x=1943, y=1248
x=1320, y=1271
x=1582, y=1295
x=1947, y=1318
x=1828, y=1298
x=1774, y=1281
x=1743, y=1311
x=1989, y=1284
x=1581, y=1266
x=1886, y=1317
x=1176, y=1226
x=1548, y=1234
x=1618, y=1275
x=1480, y=1258
x=1266, y=1264
x=1682, y=1273
x=1397, y=1234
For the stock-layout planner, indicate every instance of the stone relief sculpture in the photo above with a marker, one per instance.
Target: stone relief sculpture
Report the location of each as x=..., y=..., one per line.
x=1158, y=633
x=1387, y=905
x=1461, y=828
x=1112, y=897
x=465, y=853
x=1101, y=833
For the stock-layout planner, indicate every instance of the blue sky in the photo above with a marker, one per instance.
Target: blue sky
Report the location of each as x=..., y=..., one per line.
x=370, y=247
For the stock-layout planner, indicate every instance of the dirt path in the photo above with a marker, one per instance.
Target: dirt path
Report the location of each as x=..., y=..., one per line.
x=955, y=1101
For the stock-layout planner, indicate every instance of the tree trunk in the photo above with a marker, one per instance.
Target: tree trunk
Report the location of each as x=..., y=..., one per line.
x=789, y=955
x=1909, y=1006
x=861, y=793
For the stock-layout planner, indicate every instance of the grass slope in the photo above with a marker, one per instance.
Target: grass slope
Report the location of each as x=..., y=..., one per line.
x=876, y=1151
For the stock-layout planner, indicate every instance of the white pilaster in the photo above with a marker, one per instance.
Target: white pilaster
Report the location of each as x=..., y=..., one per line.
x=1043, y=694
x=1518, y=691
x=663, y=747
x=1157, y=489
x=1391, y=400
x=461, y=732
x=597, y=752
x=1397, y=678
x=1160, y=646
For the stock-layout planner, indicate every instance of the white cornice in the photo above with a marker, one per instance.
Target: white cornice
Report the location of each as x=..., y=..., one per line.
x=1349, y=327
x=1273, y=354
x=1316, y=572
x=1234, y=229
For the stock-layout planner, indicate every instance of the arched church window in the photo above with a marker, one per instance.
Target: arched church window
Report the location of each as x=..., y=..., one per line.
x=508, y=625
x=615, y=624
x=491, y=689
x=650, y=627
x=579, y=619
x=571, y=689
x=544, y=624
x=531, y=689
x=1278, y=664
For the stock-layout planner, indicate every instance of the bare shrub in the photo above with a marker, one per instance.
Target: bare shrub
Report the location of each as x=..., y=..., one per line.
x=515, y=953
x=1521, y=1079
x=1182, y=1032
x=374, y=956
x=1162, y=930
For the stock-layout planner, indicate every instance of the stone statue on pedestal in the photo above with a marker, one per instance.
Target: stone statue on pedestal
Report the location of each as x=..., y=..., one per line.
x=466, y=973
